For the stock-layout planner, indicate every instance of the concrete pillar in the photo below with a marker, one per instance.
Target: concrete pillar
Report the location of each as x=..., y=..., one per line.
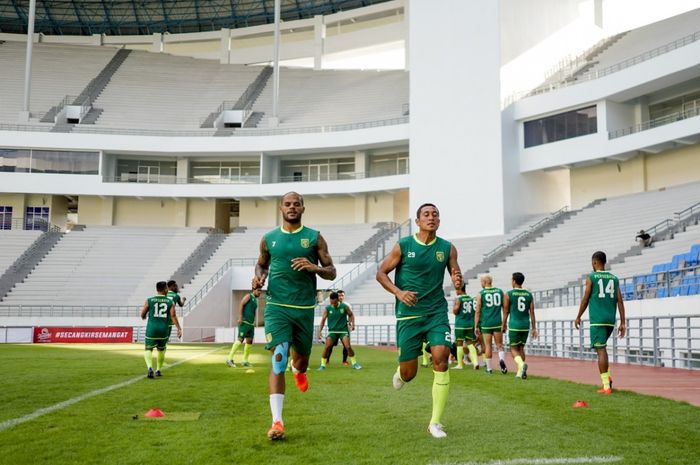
x=182, y=172
x=107, y=211
x=97, y=39
x=157, y=46
x=319, y=41
x=406, y=35
x=225, y=51
x=181, y=212
x=456, y=115
x=361, y=163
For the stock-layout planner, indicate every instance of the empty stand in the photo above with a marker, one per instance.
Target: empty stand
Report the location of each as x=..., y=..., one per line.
x=322, y=98
x=563, y=255
x=104, y=266
x=58, y=70
x=160, y=91
x=12, y=244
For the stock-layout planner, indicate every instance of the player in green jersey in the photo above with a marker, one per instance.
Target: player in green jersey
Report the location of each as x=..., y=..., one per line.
x=489, y=321
x=602, y=295
x=291, y=257
x=341, y=299
x=420, y=262
x=340, y=322
x=519, y=318
x=174, y=295
x=160, y=311
x=246, y=327
x=463, y=310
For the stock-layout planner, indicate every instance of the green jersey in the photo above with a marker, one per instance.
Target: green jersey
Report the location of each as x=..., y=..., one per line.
x=519, y=309
x=491, y=308
x=422, y=270
x=285, y=286
x=175, y=297
x=158, y=324
x=603, y=302
x=337, y=318
x=465, y=318
x=249, y=310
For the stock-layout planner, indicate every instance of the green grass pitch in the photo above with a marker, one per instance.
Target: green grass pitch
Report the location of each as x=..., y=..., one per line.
x=347, y=416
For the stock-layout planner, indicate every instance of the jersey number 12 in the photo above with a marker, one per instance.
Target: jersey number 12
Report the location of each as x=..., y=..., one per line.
x=160, y=310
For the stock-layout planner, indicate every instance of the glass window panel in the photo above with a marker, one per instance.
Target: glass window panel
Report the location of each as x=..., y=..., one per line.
x=563, y=126
x=46, y=161
x=14, y=160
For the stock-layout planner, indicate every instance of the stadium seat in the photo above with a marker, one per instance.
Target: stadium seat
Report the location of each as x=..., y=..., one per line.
x=662, y=292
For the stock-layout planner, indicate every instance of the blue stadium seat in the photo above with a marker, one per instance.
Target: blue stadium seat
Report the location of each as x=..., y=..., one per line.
x=627, y=290
x=685, y=289
x=662, y=292
x=675, y=291
x=694, y=255
x=693, y=289
x=658, y=268
x=651, y=279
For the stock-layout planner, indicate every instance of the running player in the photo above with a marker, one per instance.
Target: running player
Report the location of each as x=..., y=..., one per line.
x=290, y=256
x=603, y=294
x=488, y=321
x=420, y=262
x=160, y=310
x=340, y=322
x=464, y=328
x=174, y=294
x=246, y=327
x=519, y=306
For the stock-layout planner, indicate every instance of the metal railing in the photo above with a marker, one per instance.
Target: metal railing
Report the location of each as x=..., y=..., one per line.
x=169, y=179
x=658, y=122
x=371, y=262
x=635, y=60
x=639, y=287
x=379, y=309
x=22, y=223
x=521, y=237
x=41, y=127
x=661, y=341
x=70, y=310
x=209, y=132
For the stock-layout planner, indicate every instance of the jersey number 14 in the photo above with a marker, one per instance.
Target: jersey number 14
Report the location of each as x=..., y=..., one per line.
x=609, y=289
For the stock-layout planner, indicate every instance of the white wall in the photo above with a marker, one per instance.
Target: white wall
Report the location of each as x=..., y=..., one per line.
x=455, y=138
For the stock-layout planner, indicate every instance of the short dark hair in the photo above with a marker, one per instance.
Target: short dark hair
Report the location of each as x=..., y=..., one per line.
x=519, y=278
x=301, y=197
x=161, y=286
x=600, y=257
x=334, y=295
x=464, y=287
x=426, y=205
x=171, y=283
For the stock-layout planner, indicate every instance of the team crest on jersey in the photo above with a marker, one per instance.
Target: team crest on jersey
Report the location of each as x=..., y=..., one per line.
x=440, y=256
x=305, y=243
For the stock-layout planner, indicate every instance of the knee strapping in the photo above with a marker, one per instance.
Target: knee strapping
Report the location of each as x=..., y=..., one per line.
x=279, y=358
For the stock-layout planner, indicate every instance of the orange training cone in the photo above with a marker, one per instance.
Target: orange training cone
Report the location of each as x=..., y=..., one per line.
x=580, y=404
x=154, y=413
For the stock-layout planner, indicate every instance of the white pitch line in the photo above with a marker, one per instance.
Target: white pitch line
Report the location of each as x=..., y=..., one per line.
x=544, y=461
x=67, y=403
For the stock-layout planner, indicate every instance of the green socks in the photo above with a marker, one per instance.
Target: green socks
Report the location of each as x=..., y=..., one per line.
x=246, y=352
x=161, y=359
x=460, y=356
x=605, y=377
x=234, y=348
x=425, y=354
x=441, y=387
x=148, y=356
x=323, y=362
x=353, y=361
x=473, y=357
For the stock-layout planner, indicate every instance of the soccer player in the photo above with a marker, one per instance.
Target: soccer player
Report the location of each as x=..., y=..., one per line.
x=519, y=317
x=488, y=321
x=602, y=295
x=464, y=328
x=174, y=294
x=341, y=299
x=160, y=310
x=420, y=262
x=246, y=327
x=291, y=256
x=340, y=322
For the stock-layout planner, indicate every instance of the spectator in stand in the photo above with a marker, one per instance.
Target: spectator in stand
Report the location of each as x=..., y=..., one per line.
x=644, y=238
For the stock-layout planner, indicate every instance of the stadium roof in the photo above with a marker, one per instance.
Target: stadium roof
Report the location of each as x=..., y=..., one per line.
x=130, y=17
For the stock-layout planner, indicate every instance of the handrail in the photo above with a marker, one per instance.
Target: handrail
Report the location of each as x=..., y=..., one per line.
x=522, y=235
x=658, y=122
x=209, y=132
x=356, y=271
x=691, y=209
x=635, y=60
